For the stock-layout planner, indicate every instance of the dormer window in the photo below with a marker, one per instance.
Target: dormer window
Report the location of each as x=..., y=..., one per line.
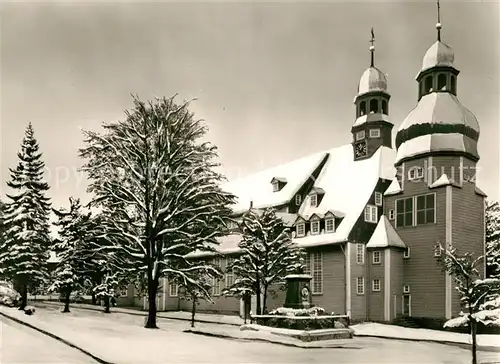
x=298, y=200
x=360, y=135
x=330, y=225
x=278, y=183
x=314, y=227
x=313, y=200
x=301, y=229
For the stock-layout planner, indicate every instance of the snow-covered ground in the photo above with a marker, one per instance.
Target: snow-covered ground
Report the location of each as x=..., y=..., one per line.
x=374, y=329
x=20, y=344
x=120, y=339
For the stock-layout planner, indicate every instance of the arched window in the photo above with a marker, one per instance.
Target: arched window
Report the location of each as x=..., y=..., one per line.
x=453, y=85
x=362, y=108
x=428, y=85
x=441, y=82
x=373, y=106
x=384, y=108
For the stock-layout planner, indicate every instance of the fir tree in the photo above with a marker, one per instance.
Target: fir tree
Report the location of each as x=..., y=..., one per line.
x=479, y=296
x=267, y=256
x=492, y=216
x=69, y=274
x=158, y=178
x=24, y=251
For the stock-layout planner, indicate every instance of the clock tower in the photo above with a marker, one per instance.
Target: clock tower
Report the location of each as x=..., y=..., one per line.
x=372, y=128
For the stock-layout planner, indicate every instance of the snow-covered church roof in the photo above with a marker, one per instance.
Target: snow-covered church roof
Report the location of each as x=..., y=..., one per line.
x=347, y=186
x=385, y=236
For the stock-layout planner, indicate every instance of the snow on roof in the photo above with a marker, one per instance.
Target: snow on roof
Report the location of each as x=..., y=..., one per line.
x=394, y=188
x=256, y=188
x=287, y=218
x=348, y=185
x=480, y=191
x=385, y=236
x=434, y=143
x=441, y=181
x=371, y=117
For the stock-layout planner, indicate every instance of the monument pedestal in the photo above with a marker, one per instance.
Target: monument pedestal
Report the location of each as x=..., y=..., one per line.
x=298, y=291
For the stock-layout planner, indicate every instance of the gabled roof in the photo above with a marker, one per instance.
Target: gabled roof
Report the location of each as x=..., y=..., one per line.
x=256, y=187
x=394, y=188
x=385, y=236
x=348, y=185
x=317, y=190
x=279, y=179
x=480, y=191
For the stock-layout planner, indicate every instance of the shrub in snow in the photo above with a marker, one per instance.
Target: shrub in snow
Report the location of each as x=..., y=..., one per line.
x=29, y=310
x=9, y=296
x=286, y=311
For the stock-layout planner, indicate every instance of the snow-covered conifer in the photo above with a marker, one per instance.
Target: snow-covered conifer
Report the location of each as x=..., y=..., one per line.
x=478, y=295
x=267, y=256
x=24, y=249
x=493, y=238
x=106, y=290
x=159, y=179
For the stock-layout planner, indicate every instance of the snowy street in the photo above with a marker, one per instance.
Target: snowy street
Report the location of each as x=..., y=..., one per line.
x=21, y=344
x=120, y=338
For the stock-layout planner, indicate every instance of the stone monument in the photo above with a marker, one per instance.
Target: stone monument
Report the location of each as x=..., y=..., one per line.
x=298, y=292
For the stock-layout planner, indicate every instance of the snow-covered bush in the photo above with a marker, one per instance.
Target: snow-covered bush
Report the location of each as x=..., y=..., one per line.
x=29, y=310
x=9, y=296
x=292, y=312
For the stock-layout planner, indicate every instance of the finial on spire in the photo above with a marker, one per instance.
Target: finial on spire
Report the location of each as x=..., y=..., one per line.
x=438, y=24
x=372, y=49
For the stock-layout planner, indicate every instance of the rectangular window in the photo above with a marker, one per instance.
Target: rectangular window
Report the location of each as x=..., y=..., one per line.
x=360, y=285
x=173, y=289
x=330, y=225
x=425, y=209
x=415, y=173
x=298, y=199
x=406, y=253
x=378, y=198
x=391, y=214
x=376, y=257
x=360, y=253
x=374, y=133
x=313, y=200
x=229, y=272
x=315, y=227
x=276, y=186
x=216, y=282
x=314, y=267
x=406, y=288
x=417, y=210
x=360, y=135
x=371, y=214
x=301, y=229
x=376, y=285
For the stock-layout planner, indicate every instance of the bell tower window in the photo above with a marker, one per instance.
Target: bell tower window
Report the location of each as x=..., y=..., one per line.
x=384, y=108
x=373, y=106
x=453, y=85
x=362, y=108
x=441, y=82
x=428, y=85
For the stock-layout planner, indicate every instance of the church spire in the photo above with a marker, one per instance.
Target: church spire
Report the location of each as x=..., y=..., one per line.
x=372, y=49
x=438, y=24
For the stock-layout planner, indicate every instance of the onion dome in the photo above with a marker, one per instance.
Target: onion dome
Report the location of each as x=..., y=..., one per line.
x=438, y=55
x=372, y=80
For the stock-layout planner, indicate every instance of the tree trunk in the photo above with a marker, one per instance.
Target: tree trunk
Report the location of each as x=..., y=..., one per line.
x=257, y=292
x=24, y=296
x=152, y=289
x=106, y=304
x=473, y=331
x=66, y=300
x=94, y=300
x=193, y=311
x=264, y=301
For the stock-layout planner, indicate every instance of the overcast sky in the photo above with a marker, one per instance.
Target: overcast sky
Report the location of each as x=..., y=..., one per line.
x=274, y=81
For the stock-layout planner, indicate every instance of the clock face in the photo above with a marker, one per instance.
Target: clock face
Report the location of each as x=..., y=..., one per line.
x=360, y=149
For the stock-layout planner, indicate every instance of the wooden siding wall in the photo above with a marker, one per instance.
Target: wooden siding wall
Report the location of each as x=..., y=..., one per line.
x=375, y=300
x=397, y=280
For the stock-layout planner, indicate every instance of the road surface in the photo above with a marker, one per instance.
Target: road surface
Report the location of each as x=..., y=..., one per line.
x=21, y=345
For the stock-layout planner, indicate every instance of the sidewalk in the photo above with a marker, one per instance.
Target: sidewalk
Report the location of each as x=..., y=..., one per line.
x=173, y=315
